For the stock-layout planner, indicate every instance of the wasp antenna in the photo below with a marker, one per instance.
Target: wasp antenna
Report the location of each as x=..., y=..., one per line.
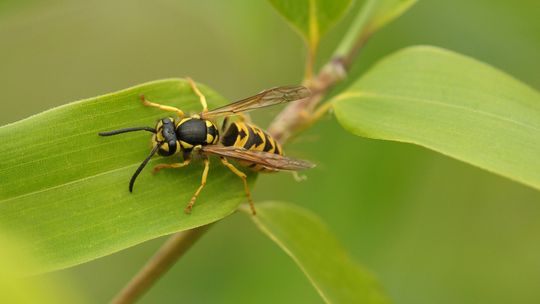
x=141, y=166
x=120, y=131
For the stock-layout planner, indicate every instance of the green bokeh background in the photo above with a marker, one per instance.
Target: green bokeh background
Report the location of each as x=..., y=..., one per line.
x=432, y=229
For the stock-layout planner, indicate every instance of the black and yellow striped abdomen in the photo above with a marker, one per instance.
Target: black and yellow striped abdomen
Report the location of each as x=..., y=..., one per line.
x=250, y=137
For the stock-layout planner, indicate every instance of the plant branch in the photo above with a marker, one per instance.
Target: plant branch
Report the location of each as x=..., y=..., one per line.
x=302, y=114
x=162, y=261
x=310, y=61
x=299, y=115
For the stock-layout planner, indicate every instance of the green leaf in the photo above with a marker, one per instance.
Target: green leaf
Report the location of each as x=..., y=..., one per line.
x=312, y=18
x=452, y=104
x=373, y=16
x=307, y=240
x=16, y=289
x=66, y=189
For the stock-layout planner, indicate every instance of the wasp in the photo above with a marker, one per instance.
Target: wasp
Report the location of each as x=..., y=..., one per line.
x=238, y=140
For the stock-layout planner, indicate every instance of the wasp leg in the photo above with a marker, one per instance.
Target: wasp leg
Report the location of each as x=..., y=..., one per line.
x=243, y=176
x=202, y=98
x=147, y=103
x=171, y=166
x=297, y=177
x=203, y=182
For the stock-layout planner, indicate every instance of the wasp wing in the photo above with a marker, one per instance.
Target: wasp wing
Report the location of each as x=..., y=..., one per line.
x=268, y=160
x=266, y=98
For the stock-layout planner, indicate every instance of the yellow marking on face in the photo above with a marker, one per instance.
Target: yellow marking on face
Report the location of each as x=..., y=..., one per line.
x=165, y=147
x=216, y=139
x=159, y=127
x=208, y=123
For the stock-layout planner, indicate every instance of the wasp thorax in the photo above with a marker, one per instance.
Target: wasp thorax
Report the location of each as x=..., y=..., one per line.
x=194, y=131
x=166, y=137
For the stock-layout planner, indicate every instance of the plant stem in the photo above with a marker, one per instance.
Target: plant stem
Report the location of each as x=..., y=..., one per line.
x=162, y=261
x=296, y=116
x=310, y=63
x=301, y=114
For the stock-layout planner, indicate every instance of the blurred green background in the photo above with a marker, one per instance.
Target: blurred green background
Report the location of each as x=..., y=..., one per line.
x=432, y=229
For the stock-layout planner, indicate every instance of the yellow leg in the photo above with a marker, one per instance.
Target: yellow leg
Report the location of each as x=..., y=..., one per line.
x=147, y=103
x=298, y=177
x=243, y=176
x=171, y=166
x=202, y=98
x=203, y=182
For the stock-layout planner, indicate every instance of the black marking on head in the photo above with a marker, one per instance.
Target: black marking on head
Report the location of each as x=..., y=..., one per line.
x=168, y=130
x=230, y=135
x=192, y=131
x=169, y=137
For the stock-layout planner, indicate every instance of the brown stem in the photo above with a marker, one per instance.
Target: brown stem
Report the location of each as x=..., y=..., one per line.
x=296, y=116
x=164, y=259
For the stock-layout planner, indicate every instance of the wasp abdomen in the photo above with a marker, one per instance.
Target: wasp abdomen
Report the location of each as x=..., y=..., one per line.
x=250, y=137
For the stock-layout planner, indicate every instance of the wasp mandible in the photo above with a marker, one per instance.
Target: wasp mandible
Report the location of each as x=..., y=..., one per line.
x=241, y=141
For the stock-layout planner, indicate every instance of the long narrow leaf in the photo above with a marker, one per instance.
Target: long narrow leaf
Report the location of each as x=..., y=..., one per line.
x=307, y=240
x=66, y=189
x=452, y=104
x=312, y=18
